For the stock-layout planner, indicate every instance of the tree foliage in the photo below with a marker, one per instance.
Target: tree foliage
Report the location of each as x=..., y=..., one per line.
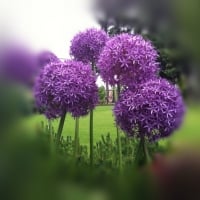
x=102, y=94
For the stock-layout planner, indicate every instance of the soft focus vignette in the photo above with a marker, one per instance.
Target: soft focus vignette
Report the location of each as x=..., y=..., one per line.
x=141, y=121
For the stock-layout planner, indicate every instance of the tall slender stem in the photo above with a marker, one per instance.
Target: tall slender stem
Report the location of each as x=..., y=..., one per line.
x=91, y=130
x=50, y=126
x=119, y=148
x=60, y=128
x=76, y=138
x=146, y=154
x=114, y=97
x=138, y=153
x=118, y=91
x=91, y=139
x=142, y=152
x=118, y=135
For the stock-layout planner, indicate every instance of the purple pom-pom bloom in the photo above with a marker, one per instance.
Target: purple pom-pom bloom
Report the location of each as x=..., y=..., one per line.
x=18, y=64
x=128, y=60
x=86, y=46
x=154, y=111
x=66, y=87
x=46, y=57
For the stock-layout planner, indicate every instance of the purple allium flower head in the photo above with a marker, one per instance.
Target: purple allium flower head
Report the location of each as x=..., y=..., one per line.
x=128, y=60
x=66, y=87
x=86, y=46
x=18, y=64
x=46, y=57
x=154, y=110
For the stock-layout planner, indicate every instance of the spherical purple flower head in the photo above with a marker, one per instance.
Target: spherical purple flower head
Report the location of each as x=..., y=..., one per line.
x=66, y=87
x=18, y=64
x=86, y=46
x=46, y=57
x=154, y=110
x=128, y=60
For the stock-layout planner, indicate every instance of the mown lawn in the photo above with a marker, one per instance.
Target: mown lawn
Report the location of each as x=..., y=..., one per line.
x=189, y=133
x=103, y=124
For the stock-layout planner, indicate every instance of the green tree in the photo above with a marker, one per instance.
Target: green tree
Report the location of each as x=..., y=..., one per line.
x=102, y=94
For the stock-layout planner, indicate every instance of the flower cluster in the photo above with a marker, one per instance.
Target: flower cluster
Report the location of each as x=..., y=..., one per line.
x=128, y=60
x=18, y=64
x=66, y=87
x=86, y=46
x=154, y=110
x=46, y=57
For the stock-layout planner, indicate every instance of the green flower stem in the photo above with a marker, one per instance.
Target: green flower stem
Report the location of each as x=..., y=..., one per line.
x=118, y=91
x=138, y=153
x=76, y=138
x=50, y=126
x=142, y=152
x=119, y=148
x=91, y=139
x=60, y=128
x=91, y=129
x=118, y=135
x=146, y=153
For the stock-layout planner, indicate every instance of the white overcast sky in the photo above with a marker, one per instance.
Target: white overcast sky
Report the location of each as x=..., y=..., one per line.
x=45, y=24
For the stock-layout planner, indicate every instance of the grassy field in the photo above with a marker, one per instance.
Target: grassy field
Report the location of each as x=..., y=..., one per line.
x=189, y=133
x=103, y=124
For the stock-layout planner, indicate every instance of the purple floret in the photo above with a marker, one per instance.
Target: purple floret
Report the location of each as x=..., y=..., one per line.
x=86, y=46
x=154, y=110
x=66, y=87
x=128, y=60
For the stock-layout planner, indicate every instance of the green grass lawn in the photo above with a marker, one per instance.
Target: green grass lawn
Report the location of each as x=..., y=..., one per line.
x=189, y=133
x=103, y=124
